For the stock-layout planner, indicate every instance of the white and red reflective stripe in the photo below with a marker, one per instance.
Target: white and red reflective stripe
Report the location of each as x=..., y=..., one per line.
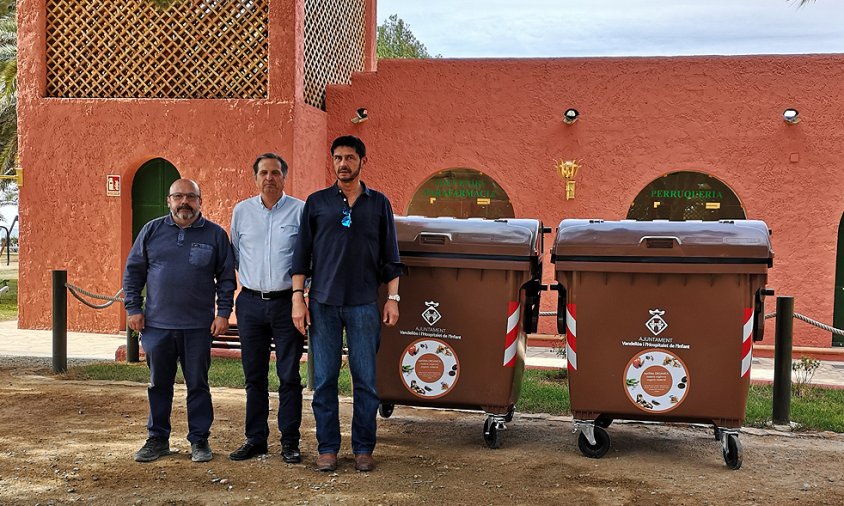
x=571, y=336
x=511, y=344
x=747, y=342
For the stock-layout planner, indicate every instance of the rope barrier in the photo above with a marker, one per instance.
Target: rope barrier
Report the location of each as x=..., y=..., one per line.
x=75, y=291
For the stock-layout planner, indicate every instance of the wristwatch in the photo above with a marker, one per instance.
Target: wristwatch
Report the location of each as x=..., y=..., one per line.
x=394, y=297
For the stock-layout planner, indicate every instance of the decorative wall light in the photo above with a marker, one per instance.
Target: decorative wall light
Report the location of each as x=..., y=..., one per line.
x=361, y=115
x=791, y=116
x=570, y=116
x=568, y=171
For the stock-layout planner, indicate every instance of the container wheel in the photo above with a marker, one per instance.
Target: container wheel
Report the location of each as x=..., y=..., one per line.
x=603, y=422
x=385, y=410
x=492, y=437
x=732, y=452
x=601, y=446
x=509, y=416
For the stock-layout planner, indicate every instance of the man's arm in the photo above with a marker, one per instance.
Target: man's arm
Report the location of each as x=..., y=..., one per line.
x=134, y=280
x=391, y=307
x=300, y=312
x=226, y=284
x=300, y=270
x=235, y=236
x=390, y=262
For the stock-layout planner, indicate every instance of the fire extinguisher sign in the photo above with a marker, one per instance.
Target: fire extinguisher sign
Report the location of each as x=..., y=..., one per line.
x=112, y=185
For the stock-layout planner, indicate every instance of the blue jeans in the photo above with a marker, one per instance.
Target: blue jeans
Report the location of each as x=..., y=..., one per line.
x=363, y=335
x=192, y=349
x=260, y=323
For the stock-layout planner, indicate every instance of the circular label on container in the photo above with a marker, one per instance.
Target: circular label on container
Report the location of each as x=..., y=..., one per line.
x=429, y=368
x=656, y=380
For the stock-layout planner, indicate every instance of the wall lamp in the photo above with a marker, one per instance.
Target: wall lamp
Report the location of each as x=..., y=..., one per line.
x=360, y=116
x=570, y=116
x=791, y=116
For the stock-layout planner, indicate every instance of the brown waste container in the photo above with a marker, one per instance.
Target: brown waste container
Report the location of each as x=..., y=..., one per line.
x=470, y=295
x=660, y=319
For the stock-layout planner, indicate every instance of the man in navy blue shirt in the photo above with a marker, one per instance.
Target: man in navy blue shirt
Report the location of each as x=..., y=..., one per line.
x=264, y=231
x=347, y=245
x=185, y=262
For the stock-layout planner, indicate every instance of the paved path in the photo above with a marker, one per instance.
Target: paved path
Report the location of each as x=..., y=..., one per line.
x=39, y=343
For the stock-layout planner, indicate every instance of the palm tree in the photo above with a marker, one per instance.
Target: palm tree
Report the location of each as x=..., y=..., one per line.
x=8, y=91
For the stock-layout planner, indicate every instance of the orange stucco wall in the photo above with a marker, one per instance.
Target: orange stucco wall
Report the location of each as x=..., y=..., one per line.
x=640, y=118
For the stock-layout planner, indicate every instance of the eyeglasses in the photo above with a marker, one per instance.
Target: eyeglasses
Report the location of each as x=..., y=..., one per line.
x=346, y=220
x=190, y=197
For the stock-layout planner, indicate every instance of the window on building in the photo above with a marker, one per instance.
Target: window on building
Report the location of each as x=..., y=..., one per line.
x=461, y=193
x=686, y=195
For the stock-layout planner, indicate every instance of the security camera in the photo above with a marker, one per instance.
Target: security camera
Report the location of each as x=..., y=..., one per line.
x=361, y=116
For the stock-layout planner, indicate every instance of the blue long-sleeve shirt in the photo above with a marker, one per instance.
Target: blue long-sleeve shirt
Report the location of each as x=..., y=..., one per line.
x=347, y=251
x=183, y=269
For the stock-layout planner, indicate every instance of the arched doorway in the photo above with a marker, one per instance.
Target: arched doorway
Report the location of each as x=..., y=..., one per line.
x=149, y=192
x=838, y=310
x=686, y=195
x=461, y=193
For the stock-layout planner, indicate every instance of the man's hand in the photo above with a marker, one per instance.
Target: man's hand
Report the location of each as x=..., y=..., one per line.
x=219, y=326
x=136, y=322
x=391, y=313
x=301, y=314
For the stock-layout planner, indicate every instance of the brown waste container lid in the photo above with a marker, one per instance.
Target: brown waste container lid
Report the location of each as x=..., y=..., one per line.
x=713, y=242
x=505, y=239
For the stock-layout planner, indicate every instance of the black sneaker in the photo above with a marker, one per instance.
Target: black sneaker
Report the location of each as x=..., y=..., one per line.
x=290, y=452
x=152, y=450
x=200, y=451
x=249, y=450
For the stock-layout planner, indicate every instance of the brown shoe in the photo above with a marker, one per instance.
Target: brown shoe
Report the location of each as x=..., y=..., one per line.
x=326, y=462
x=364, y=462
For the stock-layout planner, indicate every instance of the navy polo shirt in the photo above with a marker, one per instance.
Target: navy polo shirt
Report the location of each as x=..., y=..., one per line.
x=184, y=271
x=347, y=263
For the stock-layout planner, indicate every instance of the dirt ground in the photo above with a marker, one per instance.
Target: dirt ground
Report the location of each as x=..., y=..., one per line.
x=65, y=442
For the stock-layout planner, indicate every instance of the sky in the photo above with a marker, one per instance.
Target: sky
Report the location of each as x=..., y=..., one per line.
x=560, y=28
x=7, y=214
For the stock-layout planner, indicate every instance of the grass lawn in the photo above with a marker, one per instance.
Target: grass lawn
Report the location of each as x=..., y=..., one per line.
x=542, y=392
x=9, y=301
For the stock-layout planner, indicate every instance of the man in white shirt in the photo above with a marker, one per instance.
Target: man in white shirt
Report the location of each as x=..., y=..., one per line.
x=263, y=233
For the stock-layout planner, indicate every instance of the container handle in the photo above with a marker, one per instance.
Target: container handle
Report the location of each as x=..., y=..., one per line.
x=660, y=241
x=431, y=238
x=759, y=312
x=562, y=300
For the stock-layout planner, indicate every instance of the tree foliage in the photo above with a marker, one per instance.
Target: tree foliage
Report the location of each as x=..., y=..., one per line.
x=395, y=40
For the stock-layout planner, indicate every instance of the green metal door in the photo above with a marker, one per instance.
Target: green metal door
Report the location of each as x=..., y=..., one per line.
x=149, y=192
x=838, y=311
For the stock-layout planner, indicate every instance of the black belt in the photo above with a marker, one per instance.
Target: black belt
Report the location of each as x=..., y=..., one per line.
x=268, y=295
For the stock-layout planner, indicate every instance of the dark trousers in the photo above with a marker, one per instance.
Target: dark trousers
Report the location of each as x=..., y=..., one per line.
x=165, y=349
x=262, y=322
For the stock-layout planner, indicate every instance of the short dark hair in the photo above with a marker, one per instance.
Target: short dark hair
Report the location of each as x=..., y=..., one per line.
x=270, y=156
x=349, y=141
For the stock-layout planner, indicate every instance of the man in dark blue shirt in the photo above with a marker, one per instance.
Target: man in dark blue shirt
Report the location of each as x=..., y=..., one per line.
x=347, y=245
x=185, y=261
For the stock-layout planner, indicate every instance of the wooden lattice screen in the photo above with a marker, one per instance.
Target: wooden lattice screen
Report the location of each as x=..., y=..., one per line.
x=334, y=45
x=131, y=48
